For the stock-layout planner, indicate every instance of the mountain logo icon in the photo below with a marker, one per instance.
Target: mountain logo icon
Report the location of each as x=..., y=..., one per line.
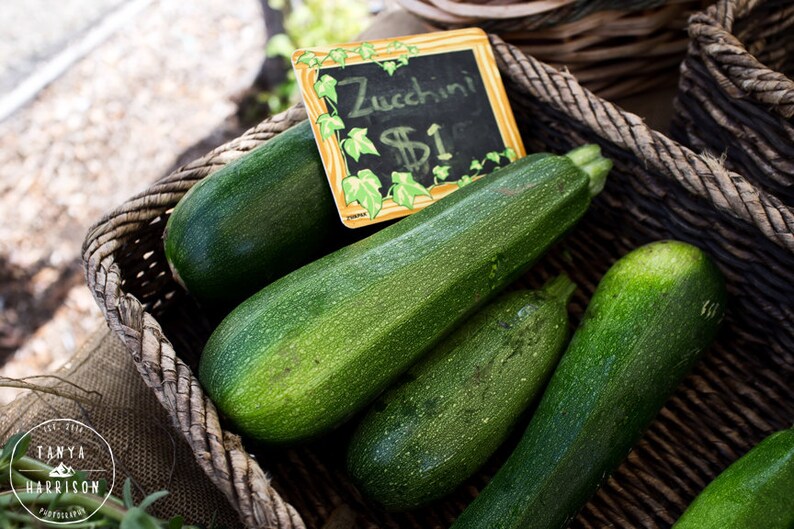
x=62, y=471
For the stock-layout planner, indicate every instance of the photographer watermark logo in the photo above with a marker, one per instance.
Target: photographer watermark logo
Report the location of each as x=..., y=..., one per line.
x=67, y=459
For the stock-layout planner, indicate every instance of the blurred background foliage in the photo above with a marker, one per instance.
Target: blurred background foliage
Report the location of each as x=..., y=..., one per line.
x=294, y=24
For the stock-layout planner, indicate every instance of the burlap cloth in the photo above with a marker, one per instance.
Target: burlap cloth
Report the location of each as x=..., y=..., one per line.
x=112, y=398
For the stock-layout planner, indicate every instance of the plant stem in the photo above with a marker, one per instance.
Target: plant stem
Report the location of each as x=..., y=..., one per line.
x=112, y=509
x=560, y=287
x=588, y=158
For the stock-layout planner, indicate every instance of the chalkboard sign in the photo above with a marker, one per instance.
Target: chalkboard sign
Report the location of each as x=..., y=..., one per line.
x=402, y=123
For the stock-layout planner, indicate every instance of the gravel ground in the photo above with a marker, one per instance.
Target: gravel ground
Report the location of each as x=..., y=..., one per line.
x=34, y=30
x=117, y=120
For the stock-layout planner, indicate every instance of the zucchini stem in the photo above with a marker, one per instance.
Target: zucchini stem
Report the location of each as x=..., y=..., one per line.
x=584, y=154
x=560, y=287
x=588, y=158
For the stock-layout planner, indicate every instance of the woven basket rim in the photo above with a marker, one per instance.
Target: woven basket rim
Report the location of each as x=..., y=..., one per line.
x=588, y=37
x=452, y=11
x=221, y=454
x=736, y=69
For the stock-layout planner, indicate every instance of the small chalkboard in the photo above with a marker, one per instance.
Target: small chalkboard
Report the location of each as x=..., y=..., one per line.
x=402, y=123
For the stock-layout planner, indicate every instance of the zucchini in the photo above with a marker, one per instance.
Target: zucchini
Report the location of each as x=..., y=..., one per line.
x=650, y=318
x=308, y=351
x=757, y=491
x=254, y=220
x=454, y=408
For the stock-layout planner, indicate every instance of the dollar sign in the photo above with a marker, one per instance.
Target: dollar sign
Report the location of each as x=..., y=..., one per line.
x=397, y=137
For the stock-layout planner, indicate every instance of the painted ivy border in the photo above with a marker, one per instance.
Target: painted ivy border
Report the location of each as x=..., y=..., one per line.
x=364, y=187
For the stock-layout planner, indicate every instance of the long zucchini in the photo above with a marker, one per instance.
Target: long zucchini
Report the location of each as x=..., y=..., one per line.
x=757, y=491
x=254, y=220
x=308, y=351
x=455, y=407
x=650, y=318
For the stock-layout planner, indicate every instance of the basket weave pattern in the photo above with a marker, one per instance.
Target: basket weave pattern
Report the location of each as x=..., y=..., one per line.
x=736, y=96
x=510, y=15
x=739, y=393
x=615, y=49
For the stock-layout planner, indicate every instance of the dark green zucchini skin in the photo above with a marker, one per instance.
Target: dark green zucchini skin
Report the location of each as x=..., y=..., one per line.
x=254, y=220
x=755, y=492
x=454, y=408
x=650, y=318
x=308, y=351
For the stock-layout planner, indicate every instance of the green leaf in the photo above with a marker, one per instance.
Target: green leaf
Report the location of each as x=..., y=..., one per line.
x=80, y=476
x=464, y=181
x=413, y=50
x=325, y=86
x=357, y=144
x=151, y=498
x=406, y=189
x=338, y=55
x=19, y=440
x=280, y=45
x=329, y=124
x=126, y=493
x=366, y=51
x=177, y=522
x=364, y=189
x=308, y=58
x=403, y=59
x=509, y=153
x=475, y=165
x=441, y=172
x=389, y=67
x=103, y=486
x=493, y=156
x=136, y=518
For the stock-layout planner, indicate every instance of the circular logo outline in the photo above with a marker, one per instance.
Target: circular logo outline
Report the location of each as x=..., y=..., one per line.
x=110, y=488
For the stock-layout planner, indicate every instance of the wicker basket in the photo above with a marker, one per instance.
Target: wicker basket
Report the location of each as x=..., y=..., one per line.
x=615, y=49
x=738, y=394
x=736, y=93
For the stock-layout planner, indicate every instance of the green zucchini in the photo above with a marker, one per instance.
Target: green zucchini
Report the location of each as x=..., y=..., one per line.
x=650, y=318
x=254, y=220
x=755, y=492
x=308, y=351
x=454, y=408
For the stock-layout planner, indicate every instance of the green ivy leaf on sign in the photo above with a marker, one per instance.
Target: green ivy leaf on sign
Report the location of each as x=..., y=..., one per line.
x=403, y=59
x=309, y=58
x=338, y=55
x=493, y=156
x=357, y=144
x=464, y=181
x=413, y=50
x=329, y=124
x=441, y=172
x=326, y=87
x=406, y=189
x=364, y=189
x=476, y=165
x=509, y=153
x=389, y=67
x=366, y=51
